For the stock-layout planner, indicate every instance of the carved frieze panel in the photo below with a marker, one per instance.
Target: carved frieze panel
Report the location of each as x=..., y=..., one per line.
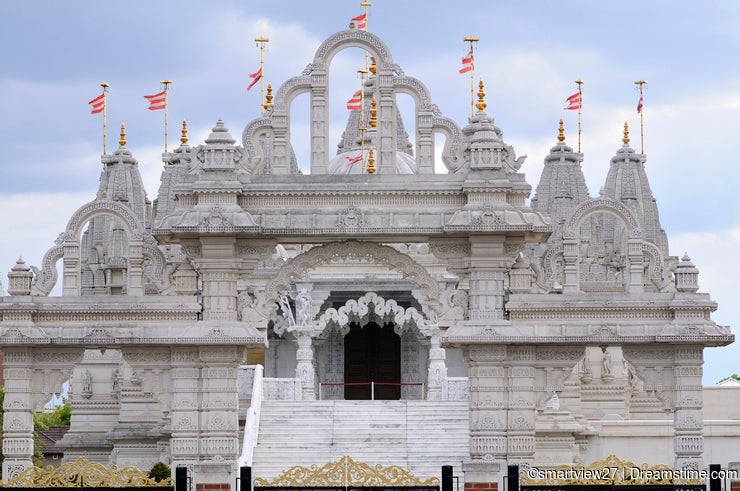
x=487, y=353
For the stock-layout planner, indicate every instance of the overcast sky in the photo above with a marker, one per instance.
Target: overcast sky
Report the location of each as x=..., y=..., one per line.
x=55, y=54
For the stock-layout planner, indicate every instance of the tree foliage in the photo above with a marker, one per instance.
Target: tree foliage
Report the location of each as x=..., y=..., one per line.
x=734, y=376
x=60, y=415
x=160, y=471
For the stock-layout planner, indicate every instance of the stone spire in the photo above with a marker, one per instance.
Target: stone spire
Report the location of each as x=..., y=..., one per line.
x=562, y=186
x=104, y=244
x=175, y=165
x=627, y=182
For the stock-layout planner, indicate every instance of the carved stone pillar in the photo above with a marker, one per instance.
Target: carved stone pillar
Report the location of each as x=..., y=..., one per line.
x=521, y=417
x=18, y=418
x=135, y=285
x=437, y=370
x=425, y=142
x=386, y=136
x=305, y=370
x=219, y=419
x=186, y=385
x=688, y=419
x=71, y=269
x=488, y=269
x=636, y=272
x=488, y=412
x=570, y=266
x=319, y=122
x=219, y=273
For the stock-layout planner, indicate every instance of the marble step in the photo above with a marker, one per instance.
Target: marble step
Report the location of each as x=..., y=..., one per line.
x=418, y=435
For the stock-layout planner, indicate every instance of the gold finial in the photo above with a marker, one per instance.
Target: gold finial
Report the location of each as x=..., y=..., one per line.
x=481, y=104
x=269, y=96
x=373, y=66
x=561, y=131
x=104, y=85
x=373, y=113
x=184, y=137
x=122, y=141
x=371, y=162
x=626, y=132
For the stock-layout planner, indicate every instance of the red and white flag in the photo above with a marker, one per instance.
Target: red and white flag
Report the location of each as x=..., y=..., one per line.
x=639, y=104
x=355, y=102
x=361, y=21
x=157, y=101
x=574, y=101
x=353, y=160
x=256, y=76
x=467, y=62
x=98, y=104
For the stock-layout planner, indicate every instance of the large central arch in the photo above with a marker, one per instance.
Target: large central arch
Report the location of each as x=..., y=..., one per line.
x=296, y=268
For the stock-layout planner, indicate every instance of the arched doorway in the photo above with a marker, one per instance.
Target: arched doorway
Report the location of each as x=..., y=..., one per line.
x=372, y=353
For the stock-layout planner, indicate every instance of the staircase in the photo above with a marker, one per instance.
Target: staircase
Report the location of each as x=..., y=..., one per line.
x=421, y=436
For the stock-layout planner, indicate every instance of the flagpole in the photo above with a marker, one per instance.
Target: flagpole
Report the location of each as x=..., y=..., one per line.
x=363, y=128
x=261, y=41
x=580, y=105
x=640, y=83
x=105, y=115
x=471, y=40
x=166, y=84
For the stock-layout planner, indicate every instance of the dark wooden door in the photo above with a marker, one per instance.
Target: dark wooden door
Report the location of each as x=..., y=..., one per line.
x=372, y=354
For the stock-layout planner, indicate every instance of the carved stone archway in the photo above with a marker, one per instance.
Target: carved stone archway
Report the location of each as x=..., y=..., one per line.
x=633, y=281
x=296, y=268
x=71, y=246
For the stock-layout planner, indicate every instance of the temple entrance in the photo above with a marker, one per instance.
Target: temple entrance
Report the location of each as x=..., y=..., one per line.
x=372, y=354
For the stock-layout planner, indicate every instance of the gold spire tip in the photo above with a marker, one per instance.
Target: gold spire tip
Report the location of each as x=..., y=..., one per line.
x=261, y=39
x=184, y=133
x=640, y=82
x=371, y=162
x=471, y=39
x=122, y=140
x=481, y=104
x=626, y=133
x=365, y=4
x=104, y=84
x=268, y=96
x=561, y=131
x=579, y=81
x=165, y=81
x=373, y=113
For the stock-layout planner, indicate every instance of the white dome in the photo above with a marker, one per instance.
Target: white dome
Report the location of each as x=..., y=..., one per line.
x=350, y=162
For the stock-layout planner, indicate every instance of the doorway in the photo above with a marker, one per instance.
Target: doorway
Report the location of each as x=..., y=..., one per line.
x=372, y=354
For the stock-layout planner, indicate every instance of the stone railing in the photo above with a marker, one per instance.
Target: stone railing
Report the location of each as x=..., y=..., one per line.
x=456, y=388
x=281, y=389
x=252, y=384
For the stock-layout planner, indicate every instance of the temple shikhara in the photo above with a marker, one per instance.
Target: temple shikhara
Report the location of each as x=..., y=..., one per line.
x=273, y=313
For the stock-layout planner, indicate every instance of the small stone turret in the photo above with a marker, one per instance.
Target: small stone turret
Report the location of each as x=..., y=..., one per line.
x=19, y=279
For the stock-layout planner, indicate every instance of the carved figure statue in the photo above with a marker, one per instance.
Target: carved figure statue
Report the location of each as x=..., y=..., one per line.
x=303, y=308
x=606, y=363
x=287, y=311
x=86, y=384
